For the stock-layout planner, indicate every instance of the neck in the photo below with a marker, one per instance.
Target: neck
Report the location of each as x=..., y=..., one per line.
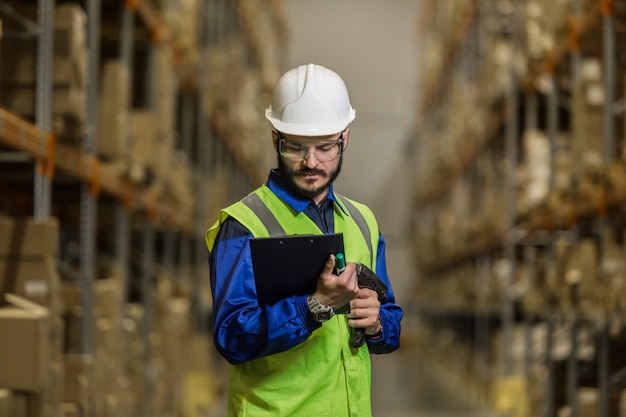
x=319, y=198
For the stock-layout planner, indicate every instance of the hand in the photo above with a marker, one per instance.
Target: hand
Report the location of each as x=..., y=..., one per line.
x=365, y=312
x=337, y=290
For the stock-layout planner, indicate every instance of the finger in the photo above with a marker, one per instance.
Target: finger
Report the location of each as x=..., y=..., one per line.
x=355, y=282
x=363, y=307
x=370, y=292
x=329, y=265
x=365, y=293
x=361, y=322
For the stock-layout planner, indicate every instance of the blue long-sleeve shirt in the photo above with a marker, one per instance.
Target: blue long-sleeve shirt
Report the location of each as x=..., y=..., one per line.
x=244, y=330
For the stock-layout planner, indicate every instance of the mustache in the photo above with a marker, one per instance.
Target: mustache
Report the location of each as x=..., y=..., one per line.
x=313, y=171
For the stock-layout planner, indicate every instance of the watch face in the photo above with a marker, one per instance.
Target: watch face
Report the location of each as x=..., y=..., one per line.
x=320, y=311
x=324, y=315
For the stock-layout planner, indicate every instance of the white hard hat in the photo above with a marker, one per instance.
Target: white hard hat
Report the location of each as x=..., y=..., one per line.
x=310, y=100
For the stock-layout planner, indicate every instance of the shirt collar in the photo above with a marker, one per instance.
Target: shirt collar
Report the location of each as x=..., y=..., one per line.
x=283, y=190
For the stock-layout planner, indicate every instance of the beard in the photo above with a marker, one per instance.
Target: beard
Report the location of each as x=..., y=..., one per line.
x=290, y=176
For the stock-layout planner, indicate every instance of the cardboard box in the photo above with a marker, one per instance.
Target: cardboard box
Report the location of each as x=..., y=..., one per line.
x=66, y=100
x=79, y=381
x=70, y=18
x=201, y=392
x=107, y=297
x=28, y=236
x=143, y=136
x=5, y=403
x=622, y=404
x=19, y=405
x=71, y=410
x=108, y=338
x=56, y=381
x=33, y=278
x=70, y=57
x=35, y=404
x=113, y=113
x=22, y=72
x=509, y=395
x=78, y=376
x=24, y=345
x=583, y=257
x=587, y=400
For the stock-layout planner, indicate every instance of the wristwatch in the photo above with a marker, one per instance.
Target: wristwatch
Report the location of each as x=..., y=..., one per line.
x=321, y=312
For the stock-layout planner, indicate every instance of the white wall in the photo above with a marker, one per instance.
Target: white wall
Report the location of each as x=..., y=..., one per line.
x=373, y=45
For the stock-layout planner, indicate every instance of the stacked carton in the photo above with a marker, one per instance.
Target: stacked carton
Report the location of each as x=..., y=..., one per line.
x=587, y=120
x=164, y=105
x=139, y=363
x=153, y=161
x=30, y=321
x=178, y=183
x=182, y=17
x=171, y=339
x=113, y=111
x=102, y=371
x=142, y=138
x=19, y=73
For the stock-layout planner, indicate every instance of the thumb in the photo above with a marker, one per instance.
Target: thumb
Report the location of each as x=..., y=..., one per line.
x=330, y=264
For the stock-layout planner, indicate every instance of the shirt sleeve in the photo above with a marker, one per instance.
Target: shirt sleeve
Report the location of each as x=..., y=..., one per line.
x=243, y=330
x=390, y=313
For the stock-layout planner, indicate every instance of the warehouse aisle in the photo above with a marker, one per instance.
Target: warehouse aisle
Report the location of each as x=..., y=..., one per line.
x=403, y=387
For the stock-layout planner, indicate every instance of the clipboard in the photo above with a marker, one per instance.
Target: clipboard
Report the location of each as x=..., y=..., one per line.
x=290, y=265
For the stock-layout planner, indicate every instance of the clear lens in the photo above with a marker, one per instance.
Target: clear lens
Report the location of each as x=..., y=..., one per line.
x=323, y=152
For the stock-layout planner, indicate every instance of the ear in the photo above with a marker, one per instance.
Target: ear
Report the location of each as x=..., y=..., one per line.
x=346, y=136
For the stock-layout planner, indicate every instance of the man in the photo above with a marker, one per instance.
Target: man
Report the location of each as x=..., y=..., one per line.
x=293, y=358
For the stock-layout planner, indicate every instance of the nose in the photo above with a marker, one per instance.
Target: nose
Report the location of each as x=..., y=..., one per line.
x=310, y=160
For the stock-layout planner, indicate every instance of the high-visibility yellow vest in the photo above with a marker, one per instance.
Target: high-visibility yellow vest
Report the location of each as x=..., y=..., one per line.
x=323, y=376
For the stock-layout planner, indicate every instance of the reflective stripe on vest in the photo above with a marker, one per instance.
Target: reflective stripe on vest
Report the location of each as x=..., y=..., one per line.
x=269, y=220
x=360, y=221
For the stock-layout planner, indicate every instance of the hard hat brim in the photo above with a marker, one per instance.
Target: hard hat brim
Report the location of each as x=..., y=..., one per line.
x=310, y=130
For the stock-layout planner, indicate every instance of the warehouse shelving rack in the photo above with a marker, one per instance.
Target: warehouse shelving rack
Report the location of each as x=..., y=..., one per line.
x=529, y=241
x=579, y=27
x=167, y=235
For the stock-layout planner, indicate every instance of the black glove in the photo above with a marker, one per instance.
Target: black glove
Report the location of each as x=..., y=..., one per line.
x=367, y=279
